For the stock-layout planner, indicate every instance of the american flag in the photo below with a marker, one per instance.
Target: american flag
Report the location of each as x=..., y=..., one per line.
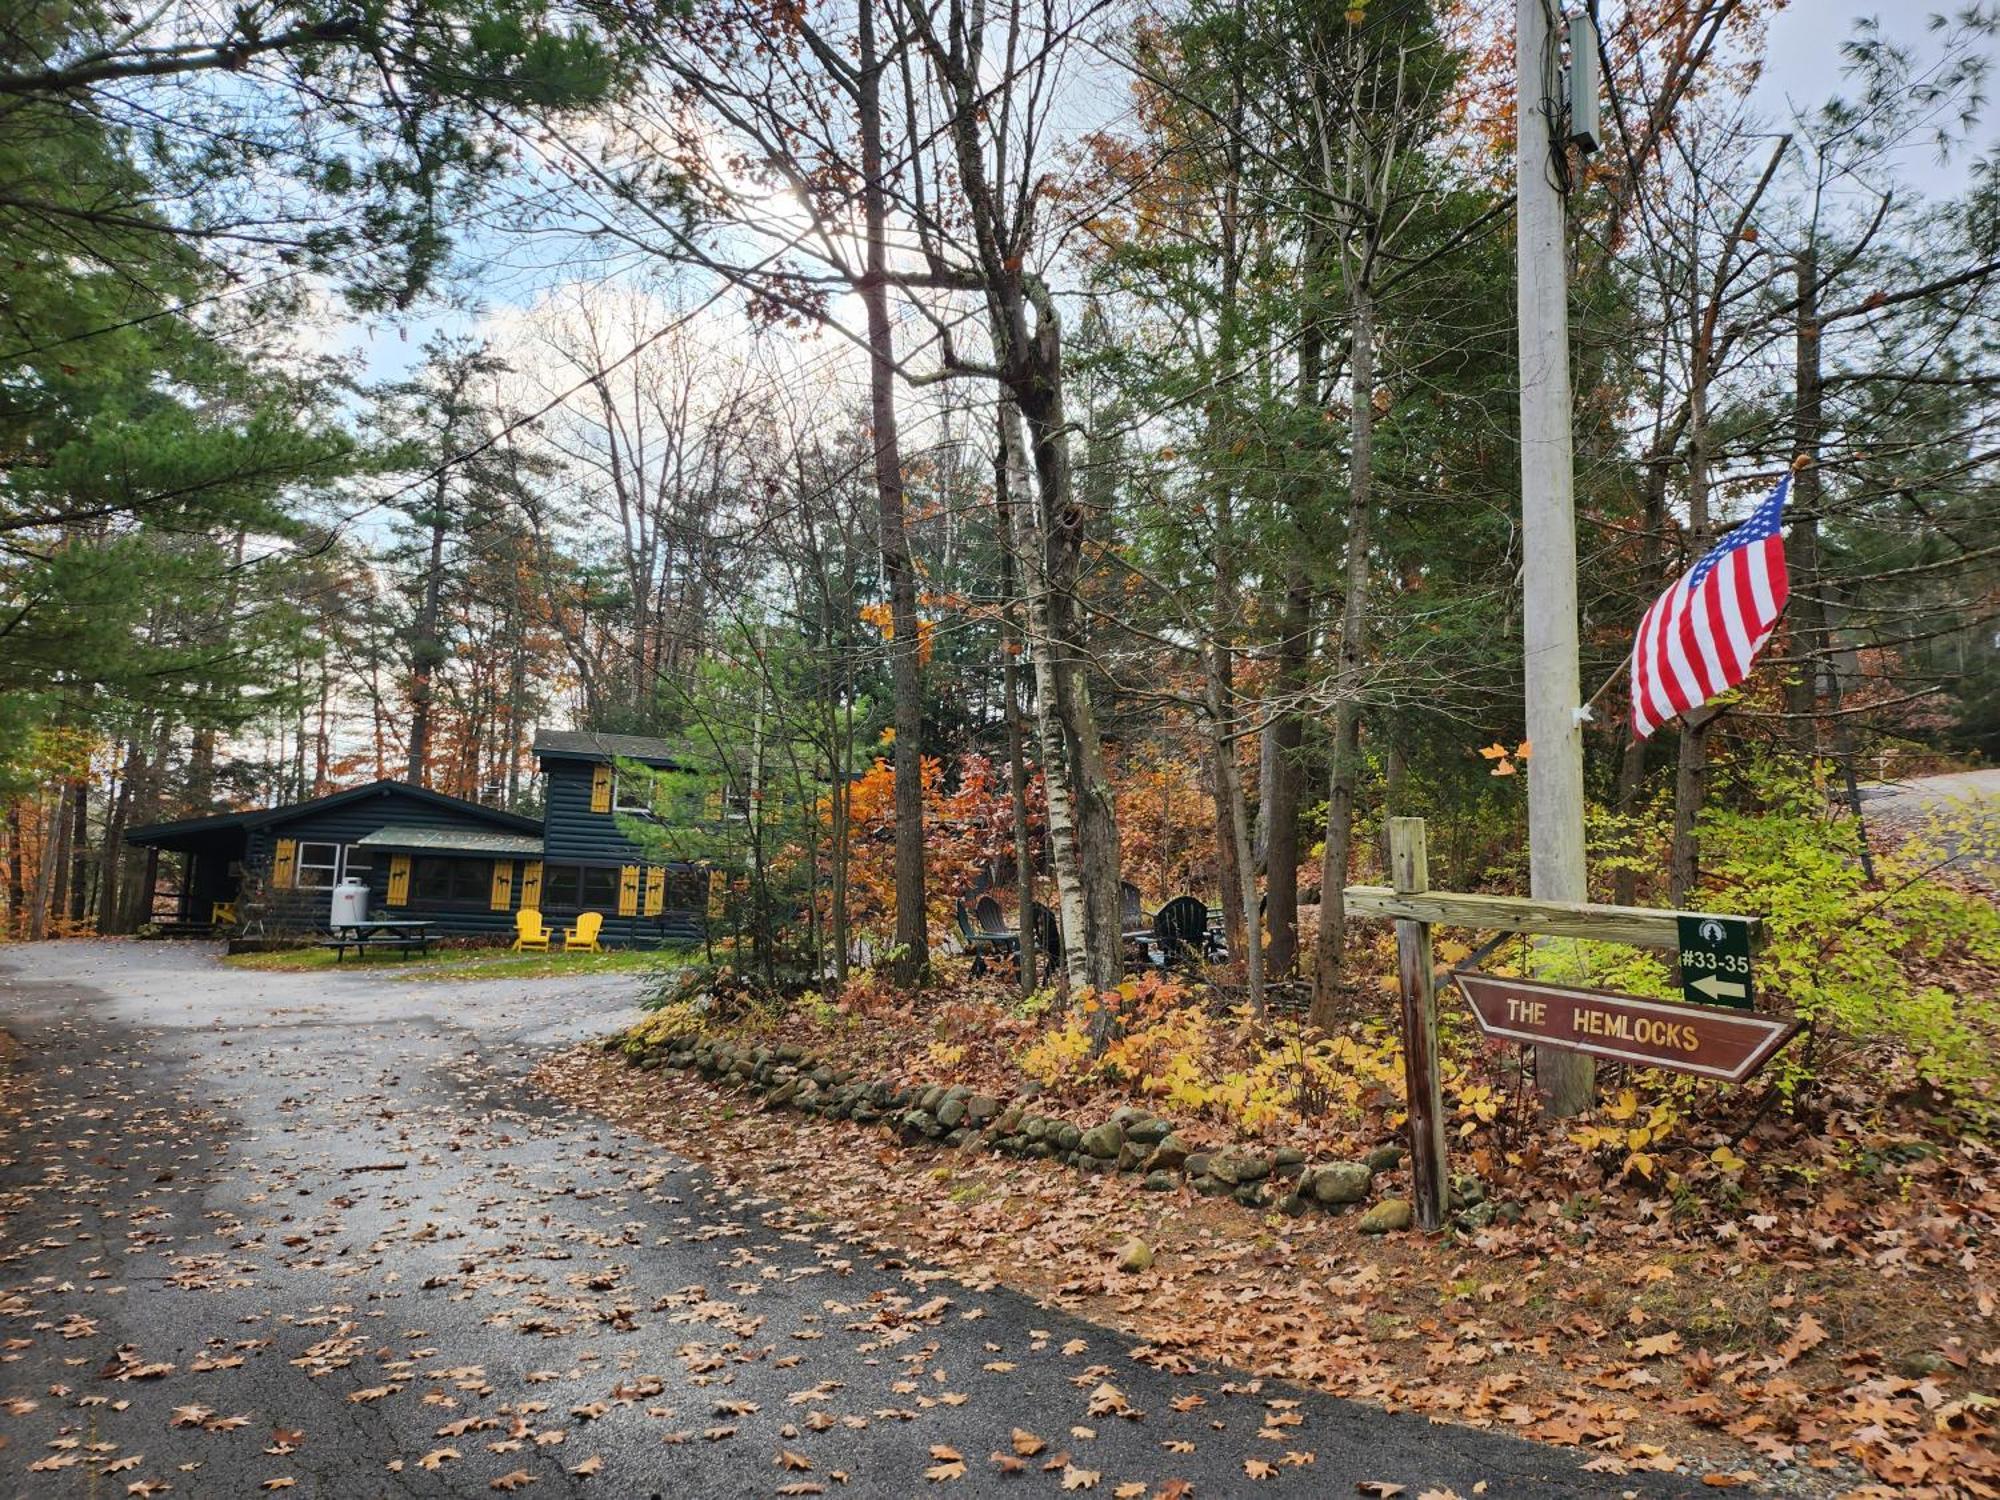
x=1700, y=637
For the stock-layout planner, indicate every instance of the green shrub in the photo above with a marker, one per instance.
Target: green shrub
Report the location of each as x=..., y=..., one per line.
x=1847, y=956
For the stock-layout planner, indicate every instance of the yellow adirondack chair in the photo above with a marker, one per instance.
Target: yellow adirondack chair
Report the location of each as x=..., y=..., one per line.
x=582, y=938
x=222, y=914
x=529, y=931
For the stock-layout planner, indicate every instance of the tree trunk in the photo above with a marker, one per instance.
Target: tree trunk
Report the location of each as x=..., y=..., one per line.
x=113, y=858
x=1063, y=833
x=1090, y=782
x=1235, y=821
x=1007, y=497
x=1684, y=866
x=79, y=850
x=1806, y=611
x=1632, y=760
x=1287, y=737
x=53, y=830
x=912, y=942
x=17, y=874
x=1228, y=868
x=426, y=650
x=1346, y=773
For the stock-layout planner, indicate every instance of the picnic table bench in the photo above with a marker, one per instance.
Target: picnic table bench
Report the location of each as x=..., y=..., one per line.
x=403, y=933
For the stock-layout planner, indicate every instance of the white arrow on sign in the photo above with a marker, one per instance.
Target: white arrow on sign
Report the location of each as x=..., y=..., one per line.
x=1715, y=987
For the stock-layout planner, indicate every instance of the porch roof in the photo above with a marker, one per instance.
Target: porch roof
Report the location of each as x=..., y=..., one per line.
x=493, y=845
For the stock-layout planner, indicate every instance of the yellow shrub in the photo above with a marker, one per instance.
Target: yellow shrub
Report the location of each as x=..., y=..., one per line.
x=1058, y=1055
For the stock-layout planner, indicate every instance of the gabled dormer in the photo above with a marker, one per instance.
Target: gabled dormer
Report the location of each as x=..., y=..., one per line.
x=583, y=794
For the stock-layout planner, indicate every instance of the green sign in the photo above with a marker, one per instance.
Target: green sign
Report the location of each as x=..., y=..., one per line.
x=1715, y=961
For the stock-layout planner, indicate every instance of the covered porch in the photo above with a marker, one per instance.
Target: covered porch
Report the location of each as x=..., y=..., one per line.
x=207, y=863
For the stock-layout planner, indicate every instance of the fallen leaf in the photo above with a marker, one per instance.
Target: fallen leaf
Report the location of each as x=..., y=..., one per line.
x=1807, y=1335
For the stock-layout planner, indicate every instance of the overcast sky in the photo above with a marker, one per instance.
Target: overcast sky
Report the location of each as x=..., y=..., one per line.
x=1803, y=65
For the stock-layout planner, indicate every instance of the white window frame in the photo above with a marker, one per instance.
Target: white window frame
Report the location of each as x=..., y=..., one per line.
x=620, y=805
x=348, y=860
x=300, y=864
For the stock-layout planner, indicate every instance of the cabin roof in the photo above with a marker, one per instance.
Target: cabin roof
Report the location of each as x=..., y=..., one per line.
x=190, y=830
x=583, y=744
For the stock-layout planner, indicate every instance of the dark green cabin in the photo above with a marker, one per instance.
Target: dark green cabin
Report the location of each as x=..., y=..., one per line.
x=460, y=865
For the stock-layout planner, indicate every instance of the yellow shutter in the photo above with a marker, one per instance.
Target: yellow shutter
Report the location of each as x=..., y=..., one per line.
x=711, y=805
x=628, y=891
x=600, y=789
x=283, y=863
x=531, y=886
x=656, y=891
x=503, y=884
x=399, y=880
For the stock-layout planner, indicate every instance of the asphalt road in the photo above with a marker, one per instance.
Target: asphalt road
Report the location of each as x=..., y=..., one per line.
x=325, y=1206
x=1959, y=809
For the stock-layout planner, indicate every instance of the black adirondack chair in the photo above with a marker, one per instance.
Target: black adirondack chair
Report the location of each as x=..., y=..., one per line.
x=1048, y=935
x=1181, y=929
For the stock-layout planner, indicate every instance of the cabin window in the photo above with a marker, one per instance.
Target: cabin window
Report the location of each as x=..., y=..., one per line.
x=316, y=866
x=600, y=888
x=632, y=794
x=559, y=884
x=580, y=887
x=453, y=880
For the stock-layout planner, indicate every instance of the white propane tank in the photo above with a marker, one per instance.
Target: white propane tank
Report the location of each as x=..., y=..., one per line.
x=350, y=902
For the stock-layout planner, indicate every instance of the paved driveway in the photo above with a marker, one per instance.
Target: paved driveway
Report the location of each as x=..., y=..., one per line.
x=263, y=1228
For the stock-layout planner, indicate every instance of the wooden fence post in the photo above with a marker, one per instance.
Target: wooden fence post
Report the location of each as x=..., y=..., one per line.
x=1409, y=865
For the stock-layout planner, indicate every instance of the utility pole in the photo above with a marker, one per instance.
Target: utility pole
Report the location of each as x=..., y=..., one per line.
x=1548, y=516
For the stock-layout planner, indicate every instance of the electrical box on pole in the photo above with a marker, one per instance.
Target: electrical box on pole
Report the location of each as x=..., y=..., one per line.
x=1585, y=127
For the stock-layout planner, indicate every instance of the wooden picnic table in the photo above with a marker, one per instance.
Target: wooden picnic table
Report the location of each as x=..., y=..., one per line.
x=405, y=933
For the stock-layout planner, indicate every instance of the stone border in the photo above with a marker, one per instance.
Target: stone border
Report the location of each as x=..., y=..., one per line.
x=1131, y=1140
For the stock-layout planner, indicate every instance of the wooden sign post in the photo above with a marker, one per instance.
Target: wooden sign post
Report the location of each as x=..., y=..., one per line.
x=1409, y=864
x=1703, y=1039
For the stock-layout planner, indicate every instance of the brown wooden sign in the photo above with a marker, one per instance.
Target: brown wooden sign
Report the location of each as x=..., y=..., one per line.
x=1706, y=1040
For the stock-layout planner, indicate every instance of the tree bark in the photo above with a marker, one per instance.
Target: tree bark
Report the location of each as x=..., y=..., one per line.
x=912, y=946
x=1346, y=772
x=17, y=874
x=1632, y=759
x=1684, y=863
x=113, y=857
x=1011, y=647
x=1287, y=733
x=1807, y=613
x=1063, y=832
x=53, y=830
x=79, y=842
x=425, y=648
x=1235, y=821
